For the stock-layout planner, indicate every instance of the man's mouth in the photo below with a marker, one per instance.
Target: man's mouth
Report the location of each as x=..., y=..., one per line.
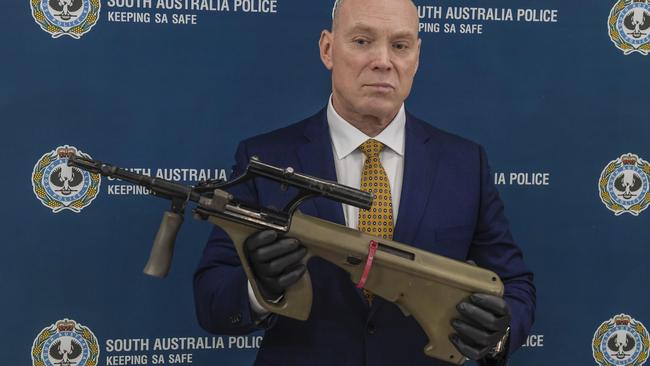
x=382, y=87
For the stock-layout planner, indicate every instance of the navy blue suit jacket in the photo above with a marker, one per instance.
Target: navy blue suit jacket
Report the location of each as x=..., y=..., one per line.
x=448, y=206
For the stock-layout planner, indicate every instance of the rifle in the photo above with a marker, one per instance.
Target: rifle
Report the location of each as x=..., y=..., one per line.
x=424, y=285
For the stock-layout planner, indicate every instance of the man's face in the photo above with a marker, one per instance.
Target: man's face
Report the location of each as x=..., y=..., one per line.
x=373, y=52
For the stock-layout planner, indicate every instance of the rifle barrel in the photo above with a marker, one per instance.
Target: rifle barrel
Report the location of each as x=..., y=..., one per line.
x=157, y=186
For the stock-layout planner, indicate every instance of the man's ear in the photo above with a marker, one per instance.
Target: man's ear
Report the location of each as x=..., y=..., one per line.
x=325, y=44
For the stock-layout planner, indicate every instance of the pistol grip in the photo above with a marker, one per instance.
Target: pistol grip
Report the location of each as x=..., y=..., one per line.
x=162, y=250
x=297, y=300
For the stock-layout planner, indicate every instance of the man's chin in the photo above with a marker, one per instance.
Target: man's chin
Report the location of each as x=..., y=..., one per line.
x=380, y=108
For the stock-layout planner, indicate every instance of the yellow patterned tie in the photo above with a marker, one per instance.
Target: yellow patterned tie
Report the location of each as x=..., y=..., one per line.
x=378, y=220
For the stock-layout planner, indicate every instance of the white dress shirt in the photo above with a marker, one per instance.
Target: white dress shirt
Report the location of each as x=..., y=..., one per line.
x=348, y=161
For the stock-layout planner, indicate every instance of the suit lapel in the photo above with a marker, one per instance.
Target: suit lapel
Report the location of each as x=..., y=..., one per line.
x=421, y=160
x=316, y=158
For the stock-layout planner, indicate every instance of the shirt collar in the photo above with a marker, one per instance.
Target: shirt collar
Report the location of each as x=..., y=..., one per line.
x=347, y=138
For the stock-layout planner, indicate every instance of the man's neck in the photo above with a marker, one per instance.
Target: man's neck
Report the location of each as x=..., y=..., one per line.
x=371, y=125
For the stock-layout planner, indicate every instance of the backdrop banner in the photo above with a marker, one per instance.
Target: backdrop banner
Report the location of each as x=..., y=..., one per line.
x=556, y=91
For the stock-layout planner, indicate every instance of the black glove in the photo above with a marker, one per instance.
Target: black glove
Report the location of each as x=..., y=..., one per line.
x=275, y=261
x=486, y=319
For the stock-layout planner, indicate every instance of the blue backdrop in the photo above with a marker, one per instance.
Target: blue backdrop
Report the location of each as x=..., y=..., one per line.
x=550, y=91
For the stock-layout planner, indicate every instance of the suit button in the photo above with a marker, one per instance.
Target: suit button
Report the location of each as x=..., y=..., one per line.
x=371, y=328
x=234, y=319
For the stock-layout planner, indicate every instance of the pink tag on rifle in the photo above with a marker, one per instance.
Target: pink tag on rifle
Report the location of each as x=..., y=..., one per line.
x=372, y=249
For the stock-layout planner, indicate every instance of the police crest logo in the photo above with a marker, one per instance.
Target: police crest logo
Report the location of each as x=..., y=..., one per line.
x=73, y=18
x=621, y=341
x=66, y=343
x=624, y=185
x=629, y=26
x=60, y=187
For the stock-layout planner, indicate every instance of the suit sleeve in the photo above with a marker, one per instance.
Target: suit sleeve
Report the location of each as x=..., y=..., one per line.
x=494, y=248
x=220, y=284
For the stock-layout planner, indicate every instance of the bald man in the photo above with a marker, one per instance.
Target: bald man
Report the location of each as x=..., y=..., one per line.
x=438, y=196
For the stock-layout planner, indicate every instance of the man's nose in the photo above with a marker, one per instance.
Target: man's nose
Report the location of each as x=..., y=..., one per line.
x=382, y=59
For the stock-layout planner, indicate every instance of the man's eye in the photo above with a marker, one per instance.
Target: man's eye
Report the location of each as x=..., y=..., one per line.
x=361, y=42
x=401, y=46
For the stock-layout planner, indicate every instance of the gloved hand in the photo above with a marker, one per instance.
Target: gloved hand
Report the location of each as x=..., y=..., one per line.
x=486, y=319
x=275, y=261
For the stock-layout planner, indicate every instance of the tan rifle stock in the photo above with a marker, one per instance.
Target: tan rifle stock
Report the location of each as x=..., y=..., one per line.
x=424, y=285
